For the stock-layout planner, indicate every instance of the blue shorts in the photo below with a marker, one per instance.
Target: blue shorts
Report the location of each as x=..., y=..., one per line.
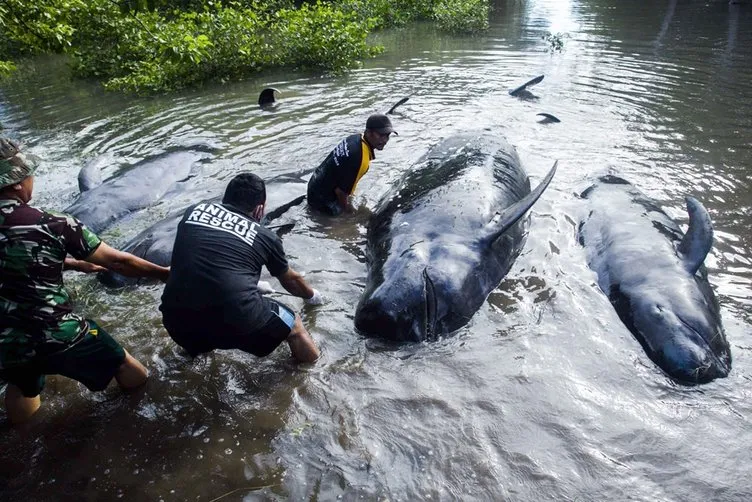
x=201, y=332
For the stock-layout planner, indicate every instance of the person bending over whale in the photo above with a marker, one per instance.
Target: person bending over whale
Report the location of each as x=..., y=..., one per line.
x=39, y=332
x=213, y=298
x=333, y=183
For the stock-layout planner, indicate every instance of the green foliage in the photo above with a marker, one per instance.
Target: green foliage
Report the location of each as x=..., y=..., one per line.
x=6, y=68
x=457, y=16
x=462, y=16
x=319, y=35
x=388, y=13
x=43, y=25
x=147, y=46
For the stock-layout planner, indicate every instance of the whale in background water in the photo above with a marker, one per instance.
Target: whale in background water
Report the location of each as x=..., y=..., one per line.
x=139, y=187
x=444, y=238
x=654, y=276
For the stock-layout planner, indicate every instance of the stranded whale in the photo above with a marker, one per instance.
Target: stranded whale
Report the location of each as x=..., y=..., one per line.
x=654, y=276
x=140, y=186
x=444, y=238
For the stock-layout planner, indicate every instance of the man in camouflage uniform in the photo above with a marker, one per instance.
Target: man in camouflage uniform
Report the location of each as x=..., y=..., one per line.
x=39, y=332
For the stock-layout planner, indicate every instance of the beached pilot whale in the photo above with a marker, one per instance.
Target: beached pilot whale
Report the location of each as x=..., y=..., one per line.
x=444, y=238
x=140, y=186
x=654, y=276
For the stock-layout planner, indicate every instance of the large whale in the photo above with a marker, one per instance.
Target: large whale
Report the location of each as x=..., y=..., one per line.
x=654, y=276
x=444, y=238
x=156, y=242
x=140, y=186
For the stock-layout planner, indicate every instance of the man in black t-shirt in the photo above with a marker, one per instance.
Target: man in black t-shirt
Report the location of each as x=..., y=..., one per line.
x=333, y=183
x=212, y=299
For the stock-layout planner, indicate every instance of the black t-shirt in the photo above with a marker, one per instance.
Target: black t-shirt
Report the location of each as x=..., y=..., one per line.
x=342, y=168
x=216, y=264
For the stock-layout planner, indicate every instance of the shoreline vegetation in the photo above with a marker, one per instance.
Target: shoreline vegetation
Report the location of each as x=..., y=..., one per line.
x=157, y=46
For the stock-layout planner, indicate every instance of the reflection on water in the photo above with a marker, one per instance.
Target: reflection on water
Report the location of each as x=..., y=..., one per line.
x=544, y=396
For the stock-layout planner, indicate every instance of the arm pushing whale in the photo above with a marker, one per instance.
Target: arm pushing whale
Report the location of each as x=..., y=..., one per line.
x=654, y=276
x=444, y=238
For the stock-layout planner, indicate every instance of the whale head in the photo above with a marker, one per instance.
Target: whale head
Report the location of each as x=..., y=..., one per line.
x=682, y=332
x=408, y=305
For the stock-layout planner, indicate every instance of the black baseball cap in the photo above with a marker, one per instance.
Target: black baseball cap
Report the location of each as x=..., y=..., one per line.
x=381, y=124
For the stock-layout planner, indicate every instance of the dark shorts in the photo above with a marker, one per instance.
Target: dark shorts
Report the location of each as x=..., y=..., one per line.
x=332, y=208
x=93, y=361
x=200, y=332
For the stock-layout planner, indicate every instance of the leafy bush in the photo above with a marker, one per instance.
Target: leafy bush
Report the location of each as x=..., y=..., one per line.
x=157, y=45
x=319, y=35
x=6, y=68
x=462, y=16
x=387, y=13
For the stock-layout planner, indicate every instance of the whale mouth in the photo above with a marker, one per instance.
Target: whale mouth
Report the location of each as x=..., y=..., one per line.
x=429, y=305
x=713, y=365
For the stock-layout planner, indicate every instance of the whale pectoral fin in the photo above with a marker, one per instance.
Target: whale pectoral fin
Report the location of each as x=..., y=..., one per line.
x=279, y=211
x=513, y=213
x=698, y=240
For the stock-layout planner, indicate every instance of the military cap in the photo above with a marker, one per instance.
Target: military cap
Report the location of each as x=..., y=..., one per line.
x=14, y=165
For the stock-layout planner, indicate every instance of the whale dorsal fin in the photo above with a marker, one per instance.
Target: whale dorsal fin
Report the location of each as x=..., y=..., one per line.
x=529, y=83
x=698, y=240
x=513, y=213
x=90, y=176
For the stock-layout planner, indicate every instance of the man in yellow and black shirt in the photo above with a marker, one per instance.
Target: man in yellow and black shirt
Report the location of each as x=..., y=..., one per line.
x=333, y=183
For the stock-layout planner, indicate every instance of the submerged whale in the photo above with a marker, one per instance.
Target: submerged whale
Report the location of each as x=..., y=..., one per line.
x=654, y=276
x=444, y=238
x=140, y=186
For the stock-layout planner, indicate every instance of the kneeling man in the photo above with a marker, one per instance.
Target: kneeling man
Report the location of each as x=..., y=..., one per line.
x=212, y=298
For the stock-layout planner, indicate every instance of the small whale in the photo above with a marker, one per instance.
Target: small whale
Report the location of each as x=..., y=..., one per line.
x=653, y=275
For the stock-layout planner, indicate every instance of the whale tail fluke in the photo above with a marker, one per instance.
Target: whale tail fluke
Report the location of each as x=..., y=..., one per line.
x=513, y=213
x=698, y=240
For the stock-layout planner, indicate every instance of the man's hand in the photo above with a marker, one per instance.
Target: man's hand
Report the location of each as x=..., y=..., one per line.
x=316, y=299
x=265, y=288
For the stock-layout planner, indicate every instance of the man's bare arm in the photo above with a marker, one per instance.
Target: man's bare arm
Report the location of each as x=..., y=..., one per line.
x=126, y=263
x=295, y=284
x=81, y=266
x=344, y=200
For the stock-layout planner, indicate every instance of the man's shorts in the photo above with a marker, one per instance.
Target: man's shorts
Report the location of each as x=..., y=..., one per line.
x=200, y=332
x=332, y=208
x=93, y=361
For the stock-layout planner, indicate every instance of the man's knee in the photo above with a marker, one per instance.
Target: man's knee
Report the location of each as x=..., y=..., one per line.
x=19, y=407
x=131, y=374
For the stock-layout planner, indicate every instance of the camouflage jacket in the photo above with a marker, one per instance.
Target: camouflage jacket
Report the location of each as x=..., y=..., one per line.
x=36, y=316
